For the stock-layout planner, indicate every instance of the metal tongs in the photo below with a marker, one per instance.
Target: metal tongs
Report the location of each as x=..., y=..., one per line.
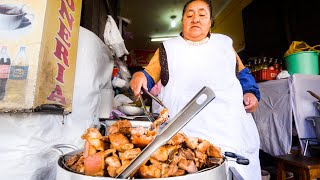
x=146, y=112
x=197, y=103
x=153, y=97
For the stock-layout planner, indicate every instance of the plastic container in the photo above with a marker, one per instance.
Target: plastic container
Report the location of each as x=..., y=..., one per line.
x=306, y=62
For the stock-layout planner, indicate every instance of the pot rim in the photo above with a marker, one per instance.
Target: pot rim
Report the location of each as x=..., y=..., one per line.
x=61, y=167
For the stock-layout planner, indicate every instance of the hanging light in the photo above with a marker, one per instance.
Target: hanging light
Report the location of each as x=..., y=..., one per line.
x=173, y=21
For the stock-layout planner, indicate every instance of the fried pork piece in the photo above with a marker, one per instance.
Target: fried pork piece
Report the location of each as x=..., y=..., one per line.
x=177, y=139
x=155, y=163
x=141, y=137
x=171, y=171
x=79, y=165
x=112, y=171
x=188, y=165
x=200, y=159
x=176, y=159
x=163, y=117
x=167, y=170
x=164, y=169
x=214, y=162
x=94, y=164
x=129, y=154
x=187, y=153
x=203, y=146
x=172, y=150
x=122, y=126
x=160, y=154
x=179, y=172
x=92, y=133
x=110, y=152
x=113, y=163
x=141, y=141
x=73, y=159
x=214, y=151
x=123, y=166
x=93, y=142
x=192, y=142
x=138, y=131
x=120, y=142
x=88, y=149
x=149, y=171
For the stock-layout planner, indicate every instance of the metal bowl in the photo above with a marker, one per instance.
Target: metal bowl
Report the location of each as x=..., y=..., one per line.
x=130, y=110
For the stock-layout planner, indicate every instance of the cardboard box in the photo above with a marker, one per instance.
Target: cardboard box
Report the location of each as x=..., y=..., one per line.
x=38, y=48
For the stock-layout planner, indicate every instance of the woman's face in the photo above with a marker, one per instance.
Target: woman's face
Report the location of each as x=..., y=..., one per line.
x=196, y=21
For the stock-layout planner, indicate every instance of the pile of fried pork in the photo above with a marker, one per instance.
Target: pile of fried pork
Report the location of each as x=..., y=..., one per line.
x=109, y=155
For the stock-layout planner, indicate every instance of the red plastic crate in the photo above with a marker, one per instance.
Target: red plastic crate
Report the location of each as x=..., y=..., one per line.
x=265, y=75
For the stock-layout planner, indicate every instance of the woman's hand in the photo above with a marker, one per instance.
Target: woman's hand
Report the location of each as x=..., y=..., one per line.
x=250, y=102
x=138, y=80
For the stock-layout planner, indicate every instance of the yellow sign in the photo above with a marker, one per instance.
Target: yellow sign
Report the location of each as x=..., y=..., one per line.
x=38, y=53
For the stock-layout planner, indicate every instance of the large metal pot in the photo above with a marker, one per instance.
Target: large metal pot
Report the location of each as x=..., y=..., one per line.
x=64, y=174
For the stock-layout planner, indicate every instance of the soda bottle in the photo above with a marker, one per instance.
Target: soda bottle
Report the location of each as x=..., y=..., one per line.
x=18, y=75
x=4, y=71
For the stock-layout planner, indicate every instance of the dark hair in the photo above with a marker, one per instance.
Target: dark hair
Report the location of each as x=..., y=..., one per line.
x=209, y=3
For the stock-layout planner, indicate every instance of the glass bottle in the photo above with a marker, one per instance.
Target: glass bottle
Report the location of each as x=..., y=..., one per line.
x=264, y=63
x=4, y=71
x=255, y=65
x=18, y=74
x=276, y=65
x=260, y=65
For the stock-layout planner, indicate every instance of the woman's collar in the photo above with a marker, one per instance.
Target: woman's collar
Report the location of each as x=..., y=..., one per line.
x=197, y=43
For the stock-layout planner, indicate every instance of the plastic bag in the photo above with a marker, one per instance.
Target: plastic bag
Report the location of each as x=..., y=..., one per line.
x=297, y=46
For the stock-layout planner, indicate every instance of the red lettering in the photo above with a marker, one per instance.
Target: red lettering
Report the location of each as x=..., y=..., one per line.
x=56, y=95
x=64, y=13
x=60, y=73
x=71, y=5
x=64, y=33
x=61, y=52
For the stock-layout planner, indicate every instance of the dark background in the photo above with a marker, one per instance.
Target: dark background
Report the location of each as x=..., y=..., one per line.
x=271, y=25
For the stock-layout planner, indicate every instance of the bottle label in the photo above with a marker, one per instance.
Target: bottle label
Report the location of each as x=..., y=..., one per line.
x=18, y=72
x=4, y=71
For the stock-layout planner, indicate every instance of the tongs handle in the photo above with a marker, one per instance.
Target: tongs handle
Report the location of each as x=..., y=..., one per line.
x=146, y=112
x=153, y=97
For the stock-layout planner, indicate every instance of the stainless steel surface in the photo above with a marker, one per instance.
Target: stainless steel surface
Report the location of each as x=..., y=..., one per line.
x=200, y=100
x=146, y=112
x=64, y=174
x=235, y=174
x=58, y=148
x=153, y=97
x=130, y=110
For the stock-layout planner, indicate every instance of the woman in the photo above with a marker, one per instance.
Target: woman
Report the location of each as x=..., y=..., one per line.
x=196, y=59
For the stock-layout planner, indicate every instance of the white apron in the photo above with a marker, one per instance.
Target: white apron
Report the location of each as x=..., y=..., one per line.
x=224, y=121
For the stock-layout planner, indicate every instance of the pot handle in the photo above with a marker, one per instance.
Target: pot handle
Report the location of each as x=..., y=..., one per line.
x=239, y=159
x=58, y=148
